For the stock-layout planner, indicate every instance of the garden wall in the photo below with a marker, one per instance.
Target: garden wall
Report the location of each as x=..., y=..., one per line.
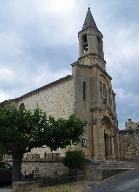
x=129, y=144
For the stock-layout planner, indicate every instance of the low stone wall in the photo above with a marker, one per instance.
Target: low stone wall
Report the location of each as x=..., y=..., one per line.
x=41, y=168
x=91, y=171
x=129, y=144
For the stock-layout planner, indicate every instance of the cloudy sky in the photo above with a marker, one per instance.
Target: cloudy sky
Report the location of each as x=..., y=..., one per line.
x=39, y=41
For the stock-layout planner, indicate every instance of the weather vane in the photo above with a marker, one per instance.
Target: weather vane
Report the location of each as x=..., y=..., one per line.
x=89, y=3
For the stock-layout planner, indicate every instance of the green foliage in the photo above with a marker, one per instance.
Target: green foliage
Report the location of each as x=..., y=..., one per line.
x=21, y=130
x=74, y=160
x=64, y=132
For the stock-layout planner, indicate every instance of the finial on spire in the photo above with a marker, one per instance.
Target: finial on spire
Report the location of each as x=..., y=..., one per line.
x=88, y=4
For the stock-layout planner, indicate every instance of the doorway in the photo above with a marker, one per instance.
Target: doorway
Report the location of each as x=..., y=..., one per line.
x=107, y=127
x=108, y=146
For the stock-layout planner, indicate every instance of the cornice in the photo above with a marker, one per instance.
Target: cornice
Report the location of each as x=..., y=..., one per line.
x=91, y=54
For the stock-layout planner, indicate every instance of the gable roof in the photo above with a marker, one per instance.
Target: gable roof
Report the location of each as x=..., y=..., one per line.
x=68, y=77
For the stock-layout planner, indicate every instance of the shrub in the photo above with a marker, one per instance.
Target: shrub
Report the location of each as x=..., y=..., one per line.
x=74, y=160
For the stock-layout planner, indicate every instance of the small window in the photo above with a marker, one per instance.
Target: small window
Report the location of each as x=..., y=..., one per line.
x=85, y=43
x=84, y=90
x=84, y=143
x=22, y=106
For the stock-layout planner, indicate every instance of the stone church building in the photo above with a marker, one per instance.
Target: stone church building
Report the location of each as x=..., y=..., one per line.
x=87, y=93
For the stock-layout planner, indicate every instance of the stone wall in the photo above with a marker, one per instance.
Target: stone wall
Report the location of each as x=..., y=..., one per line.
x=43, y=168
x=33, y=165
x=57, y=99
x=129, y=144
x=131, y=125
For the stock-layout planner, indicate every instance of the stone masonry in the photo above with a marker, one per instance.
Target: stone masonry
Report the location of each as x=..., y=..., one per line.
x=129, y=141
x=34, y=166
x=44, y=168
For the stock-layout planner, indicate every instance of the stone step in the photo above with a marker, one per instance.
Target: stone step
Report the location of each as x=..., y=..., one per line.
x=114, y=164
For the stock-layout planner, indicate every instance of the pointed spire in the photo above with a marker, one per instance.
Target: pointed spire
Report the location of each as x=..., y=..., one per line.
x=89, y=20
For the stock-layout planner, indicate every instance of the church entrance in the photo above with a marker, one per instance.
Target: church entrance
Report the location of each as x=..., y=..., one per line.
x=108, y=138
x=108, y=146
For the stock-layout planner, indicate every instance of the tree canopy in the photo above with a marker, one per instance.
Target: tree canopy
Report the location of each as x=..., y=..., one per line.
x=21, y=130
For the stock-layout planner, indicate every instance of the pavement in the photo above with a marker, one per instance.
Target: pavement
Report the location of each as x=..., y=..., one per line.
x=125, y=182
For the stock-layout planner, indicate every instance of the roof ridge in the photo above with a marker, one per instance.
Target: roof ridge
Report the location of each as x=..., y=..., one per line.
x=35, y=91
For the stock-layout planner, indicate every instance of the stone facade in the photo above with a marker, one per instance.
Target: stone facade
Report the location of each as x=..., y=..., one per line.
x=43, y=168
x=98, y=106
x=57, y=99
x=131, y=125
x=129, y=141
x=87, y=93
x=35, y=166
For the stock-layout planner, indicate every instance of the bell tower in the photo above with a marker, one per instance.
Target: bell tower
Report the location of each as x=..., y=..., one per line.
x=94, y=97
x=91, y=40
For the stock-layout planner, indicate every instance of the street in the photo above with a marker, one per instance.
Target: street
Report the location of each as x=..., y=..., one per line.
x=125, y=182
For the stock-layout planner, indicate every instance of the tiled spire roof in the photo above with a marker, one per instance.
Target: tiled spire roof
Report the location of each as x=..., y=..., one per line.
x=89, y=21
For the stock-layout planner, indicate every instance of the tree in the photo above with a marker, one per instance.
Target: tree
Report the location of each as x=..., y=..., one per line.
x=21, y=130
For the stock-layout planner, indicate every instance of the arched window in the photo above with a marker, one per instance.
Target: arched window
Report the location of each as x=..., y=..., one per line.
x=22, y=106
x=85, y=43
x=103, y=91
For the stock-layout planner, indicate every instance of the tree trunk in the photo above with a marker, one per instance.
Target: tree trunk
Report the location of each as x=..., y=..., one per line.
x=16, y=171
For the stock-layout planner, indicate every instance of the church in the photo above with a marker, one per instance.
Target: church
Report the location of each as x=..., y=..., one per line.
x=87, y=93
